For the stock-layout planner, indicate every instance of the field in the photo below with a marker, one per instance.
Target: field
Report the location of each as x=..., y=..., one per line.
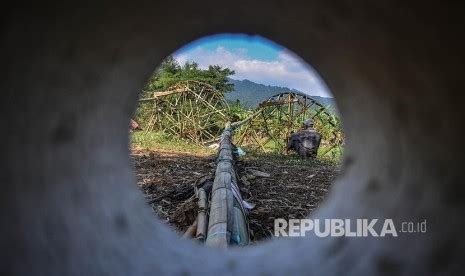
x=167, y=169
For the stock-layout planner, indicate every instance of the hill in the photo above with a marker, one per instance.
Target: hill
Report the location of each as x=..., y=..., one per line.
x=250, y=94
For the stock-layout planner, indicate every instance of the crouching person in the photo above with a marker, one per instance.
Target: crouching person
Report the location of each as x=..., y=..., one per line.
x=305, y=141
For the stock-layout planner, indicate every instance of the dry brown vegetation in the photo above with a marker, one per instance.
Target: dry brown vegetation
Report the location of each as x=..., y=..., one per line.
x=293, y=188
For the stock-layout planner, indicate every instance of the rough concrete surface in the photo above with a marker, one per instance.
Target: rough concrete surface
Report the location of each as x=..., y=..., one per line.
x=70, y=81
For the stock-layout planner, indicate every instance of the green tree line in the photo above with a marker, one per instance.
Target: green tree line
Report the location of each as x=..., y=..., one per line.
x=171, y=72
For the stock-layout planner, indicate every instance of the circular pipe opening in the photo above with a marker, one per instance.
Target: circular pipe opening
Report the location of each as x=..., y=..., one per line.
x=287, y=154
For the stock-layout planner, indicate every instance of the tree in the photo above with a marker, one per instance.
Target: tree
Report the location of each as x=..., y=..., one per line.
x=171, y=72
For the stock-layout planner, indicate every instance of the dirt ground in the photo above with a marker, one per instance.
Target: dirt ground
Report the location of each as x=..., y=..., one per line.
x=293, y=188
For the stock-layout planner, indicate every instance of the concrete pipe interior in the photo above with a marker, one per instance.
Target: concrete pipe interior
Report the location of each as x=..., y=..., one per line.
x=69, y=204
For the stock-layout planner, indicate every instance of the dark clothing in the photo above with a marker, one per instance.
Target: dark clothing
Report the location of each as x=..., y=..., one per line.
x=305, y=142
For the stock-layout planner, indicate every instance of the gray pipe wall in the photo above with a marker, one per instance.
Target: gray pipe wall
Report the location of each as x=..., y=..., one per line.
x=71, y=77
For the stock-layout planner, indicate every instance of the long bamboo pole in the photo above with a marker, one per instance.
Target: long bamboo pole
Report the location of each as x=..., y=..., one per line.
x=222, y=213
x=222, y=202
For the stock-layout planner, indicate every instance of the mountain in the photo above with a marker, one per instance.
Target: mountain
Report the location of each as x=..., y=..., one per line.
x=250, y=94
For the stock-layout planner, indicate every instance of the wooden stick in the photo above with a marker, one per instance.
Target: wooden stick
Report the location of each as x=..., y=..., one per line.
x=191, y=230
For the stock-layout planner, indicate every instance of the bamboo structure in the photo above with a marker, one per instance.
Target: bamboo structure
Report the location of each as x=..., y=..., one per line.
x=189, y=109
x=197, y=112
x=283, y=114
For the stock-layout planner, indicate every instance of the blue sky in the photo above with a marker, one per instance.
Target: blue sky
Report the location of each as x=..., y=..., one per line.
x=255, y=58
x=256, y=46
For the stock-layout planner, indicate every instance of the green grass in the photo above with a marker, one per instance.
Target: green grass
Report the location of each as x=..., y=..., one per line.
x=160, y=140
x=291, y=159
x=333, y=156
x=272, y=149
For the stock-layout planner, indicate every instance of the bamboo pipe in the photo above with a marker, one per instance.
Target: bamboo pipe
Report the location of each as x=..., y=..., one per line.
x=202, y=221
x=220, y=223
x=223, y=220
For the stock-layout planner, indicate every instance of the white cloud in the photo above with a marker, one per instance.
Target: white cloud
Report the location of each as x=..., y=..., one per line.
x=287, y=70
